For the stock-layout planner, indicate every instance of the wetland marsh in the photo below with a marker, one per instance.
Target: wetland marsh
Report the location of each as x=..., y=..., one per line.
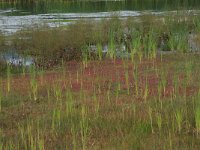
x=99, y=74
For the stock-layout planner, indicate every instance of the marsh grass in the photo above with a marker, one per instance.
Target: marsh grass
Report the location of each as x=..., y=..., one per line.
x=122, y=104
x=179, y=119
x=33, y=83
x=1, y=97
x=49, y=46
x=8, y=77
x=100, y=53
x=197, y=118
x=136, y=79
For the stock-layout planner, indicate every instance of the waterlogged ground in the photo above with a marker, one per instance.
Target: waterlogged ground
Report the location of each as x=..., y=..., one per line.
x=138, y=102
x=12, y=23
x=108, y=104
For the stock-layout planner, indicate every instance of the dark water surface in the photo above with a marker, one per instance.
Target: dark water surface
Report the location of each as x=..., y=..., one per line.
x=17, y=14
x=28, y=7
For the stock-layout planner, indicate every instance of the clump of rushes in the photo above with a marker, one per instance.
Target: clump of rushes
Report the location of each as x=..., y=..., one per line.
x=84, y=127
x=135, y=45
x=1, y=138
x=96, y=104
x=85, y=56
x=175, y=85
x=48, y=90
x=182, y=43
x=127, y=82
x=33, y=83
x=100, y=51
x=133, y=52
x=146, y=90
x=197, y=121
x=57, y=91
x=56, y=119
x=8, y=77
x=74, y=134
x=69, y=102
x=117, y=88
x=41, y=75
x=111, y=48
x=108, y=93
x=159, y=90
x=173, y=42
x=140, y=54
x=149, y=44
x=179, y=119
x=197, y=115
x=41, y=144
x=150, y=112
x=136, y=79
x=159, y=120
x=163, y=78
x=152, y=45
x=1, y=98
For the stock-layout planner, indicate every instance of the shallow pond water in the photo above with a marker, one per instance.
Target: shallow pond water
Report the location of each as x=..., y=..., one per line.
x=12, y=24
x=11, y=57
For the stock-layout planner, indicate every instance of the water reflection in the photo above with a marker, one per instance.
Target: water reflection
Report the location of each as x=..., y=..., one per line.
x=77, y=6
x=11, y=57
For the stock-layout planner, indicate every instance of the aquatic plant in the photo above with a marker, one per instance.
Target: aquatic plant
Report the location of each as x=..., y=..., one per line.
x=84, y=127
x=159, y=121
x=111, y=49
x=8, y=77
x=136, y=80
x=1, y=98
x=33, y=83
x=179, y=119
x=100, y=51
x=151, y=118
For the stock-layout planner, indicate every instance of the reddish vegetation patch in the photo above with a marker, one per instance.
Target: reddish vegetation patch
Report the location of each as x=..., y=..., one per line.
x=76, y=86
x=105, y=75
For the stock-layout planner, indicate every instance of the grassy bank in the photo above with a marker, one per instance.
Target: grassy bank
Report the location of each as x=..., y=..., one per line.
x=86, y=39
